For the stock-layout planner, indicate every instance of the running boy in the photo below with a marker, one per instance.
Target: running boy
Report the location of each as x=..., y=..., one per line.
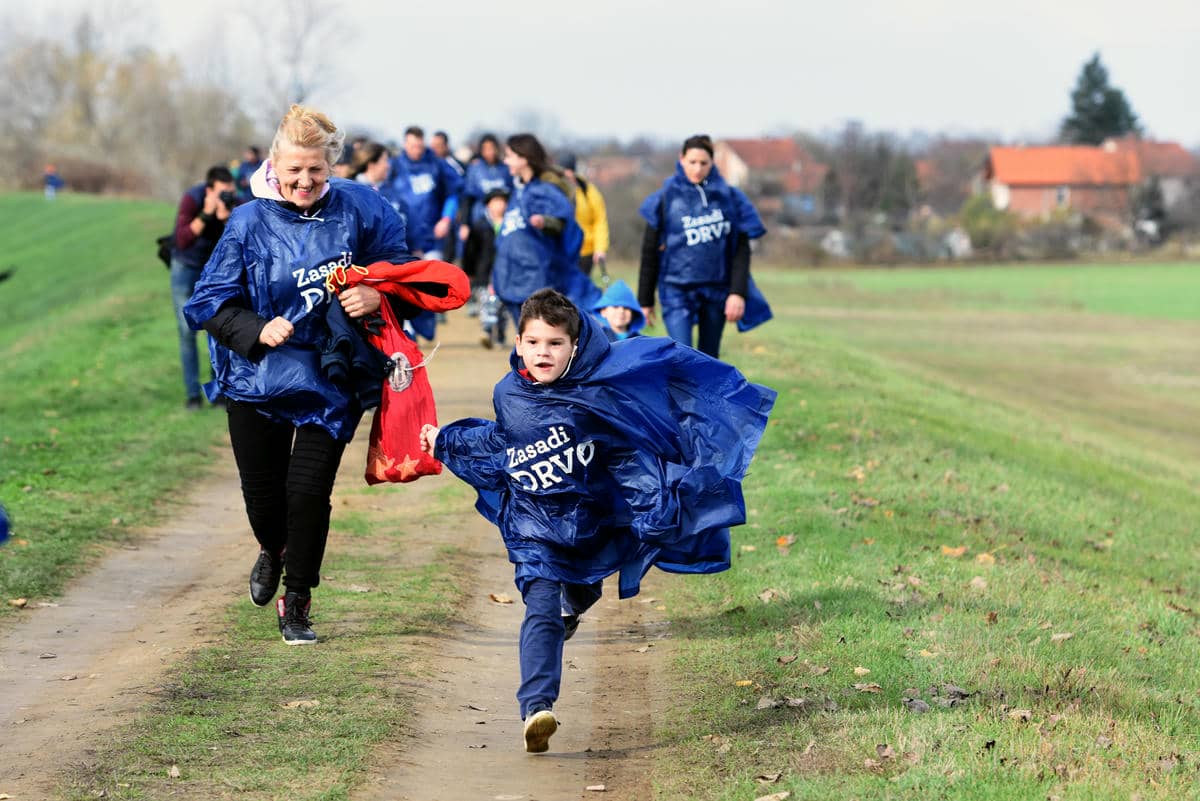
x=591, y=469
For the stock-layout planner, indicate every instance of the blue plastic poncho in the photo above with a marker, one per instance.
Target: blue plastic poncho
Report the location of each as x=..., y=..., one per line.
x=633, y=458
x=430, y=188
x=482, y=178
x=698, y=226
x=274, y=261
x=620, y=293
x=528, y=259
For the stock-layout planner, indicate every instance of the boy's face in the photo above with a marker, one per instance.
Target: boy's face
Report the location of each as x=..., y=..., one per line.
x=496, y=207
x=618, y=317
x=546, y=350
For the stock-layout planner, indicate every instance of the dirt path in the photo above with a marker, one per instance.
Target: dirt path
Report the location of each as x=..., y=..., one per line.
x=71, y=674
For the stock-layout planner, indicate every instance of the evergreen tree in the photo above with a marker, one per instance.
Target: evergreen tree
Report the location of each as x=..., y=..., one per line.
x=1098, y=110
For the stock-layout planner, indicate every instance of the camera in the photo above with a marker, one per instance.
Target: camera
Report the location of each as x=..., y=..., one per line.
x=228, y=198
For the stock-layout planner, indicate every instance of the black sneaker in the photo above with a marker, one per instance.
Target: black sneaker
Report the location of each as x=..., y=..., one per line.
x=570, y=626
x=293, y=619
x=264, y=578
x=193, y=404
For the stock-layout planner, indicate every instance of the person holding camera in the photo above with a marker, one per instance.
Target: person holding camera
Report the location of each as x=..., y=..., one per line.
x=199, y=223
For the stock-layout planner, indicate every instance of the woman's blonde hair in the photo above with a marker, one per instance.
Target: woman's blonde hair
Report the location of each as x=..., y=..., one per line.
x=303, y=126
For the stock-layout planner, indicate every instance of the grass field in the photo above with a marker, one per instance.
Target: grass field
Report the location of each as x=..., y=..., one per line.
x=977, y=492
x=94, y=440
x=974, y=493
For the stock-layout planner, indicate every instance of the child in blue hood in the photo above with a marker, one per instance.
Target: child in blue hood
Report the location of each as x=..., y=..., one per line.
x=696, y=252
x=619, y=312
x=590, y=469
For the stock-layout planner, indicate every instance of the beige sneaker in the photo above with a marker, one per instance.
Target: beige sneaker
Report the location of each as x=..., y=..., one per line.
x=539, y=727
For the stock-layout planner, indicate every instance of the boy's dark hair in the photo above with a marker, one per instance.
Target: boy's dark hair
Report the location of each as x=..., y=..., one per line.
x=553, y=308
x=701, y=141
x=415, y=130
x=218, y=174
x=442, y=135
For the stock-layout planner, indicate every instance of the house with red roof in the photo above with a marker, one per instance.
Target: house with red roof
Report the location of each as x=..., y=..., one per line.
x=1034, y=182
x=779, y=174
x=1168, y=163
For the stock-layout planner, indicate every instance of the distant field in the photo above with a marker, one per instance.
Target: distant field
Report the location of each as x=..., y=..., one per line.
x=1166, y=291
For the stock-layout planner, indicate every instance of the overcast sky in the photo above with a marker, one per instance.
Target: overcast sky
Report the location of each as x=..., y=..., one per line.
x=727, y=67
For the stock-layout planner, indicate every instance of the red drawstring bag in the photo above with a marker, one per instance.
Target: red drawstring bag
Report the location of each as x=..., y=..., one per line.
x=394, y=450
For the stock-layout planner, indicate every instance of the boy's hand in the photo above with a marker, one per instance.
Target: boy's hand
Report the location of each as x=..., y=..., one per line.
x=429, y=436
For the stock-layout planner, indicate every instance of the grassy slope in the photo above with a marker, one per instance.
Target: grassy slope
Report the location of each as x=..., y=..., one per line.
x=879, y=455
x=93, y=436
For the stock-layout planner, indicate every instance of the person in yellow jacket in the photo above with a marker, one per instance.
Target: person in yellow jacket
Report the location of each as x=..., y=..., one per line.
x=591, y=215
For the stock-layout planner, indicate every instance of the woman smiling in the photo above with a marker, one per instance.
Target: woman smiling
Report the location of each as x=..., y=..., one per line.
x=262, y=299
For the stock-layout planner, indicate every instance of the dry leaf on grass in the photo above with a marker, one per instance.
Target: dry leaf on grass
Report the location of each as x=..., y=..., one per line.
x=857, y=473
x=749, y=548
x=742, y=683
x=596, y=788
x=19, y=603
x=870, y=687
x=953, y=553
x=1061, y=637
x=771, y=594
x=174, y=772
x=768, y=778
x=861, y=671
x=767, y=702
x=819, y=670
x=785, y=541
x=499, y=598
x=985, y=559
x=787, y=660
x=1020, y=715
x=885, y=751
x=305, y=704
x=775, y=796
x=991, y=618
x=978, y=583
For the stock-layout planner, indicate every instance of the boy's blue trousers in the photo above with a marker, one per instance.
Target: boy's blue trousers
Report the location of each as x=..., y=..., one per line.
x=542, y=636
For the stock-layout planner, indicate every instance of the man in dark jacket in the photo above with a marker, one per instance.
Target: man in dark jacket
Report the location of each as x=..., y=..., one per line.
x=199, y=223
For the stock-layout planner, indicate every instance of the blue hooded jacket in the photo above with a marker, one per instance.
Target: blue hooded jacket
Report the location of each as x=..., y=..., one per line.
x=633, y=458
x=274, y=261
x=430, y=188
x=528, y=259
x=620, y=293
x=483, y=178
x=698, y=225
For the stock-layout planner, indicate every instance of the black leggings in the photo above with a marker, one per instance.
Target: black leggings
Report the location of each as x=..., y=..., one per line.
x=287, y=477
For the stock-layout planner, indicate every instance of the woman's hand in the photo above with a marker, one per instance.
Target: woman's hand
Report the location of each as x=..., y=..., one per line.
x=429, y=435
x=464, y=231
x=360, y=300
x=537, y=220
x=648, y=311
x=275, y=332
x=441, y=228
x=735, y=307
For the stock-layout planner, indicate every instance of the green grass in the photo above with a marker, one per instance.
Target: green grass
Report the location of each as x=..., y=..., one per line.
x=1165, y=291
x=883, y=452
x=94, y=440
x=249, y=718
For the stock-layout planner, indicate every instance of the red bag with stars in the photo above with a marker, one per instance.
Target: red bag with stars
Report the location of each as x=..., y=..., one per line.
x=394, y=450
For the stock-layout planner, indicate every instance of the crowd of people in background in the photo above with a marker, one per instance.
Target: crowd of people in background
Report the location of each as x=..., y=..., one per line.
x=516, y=219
